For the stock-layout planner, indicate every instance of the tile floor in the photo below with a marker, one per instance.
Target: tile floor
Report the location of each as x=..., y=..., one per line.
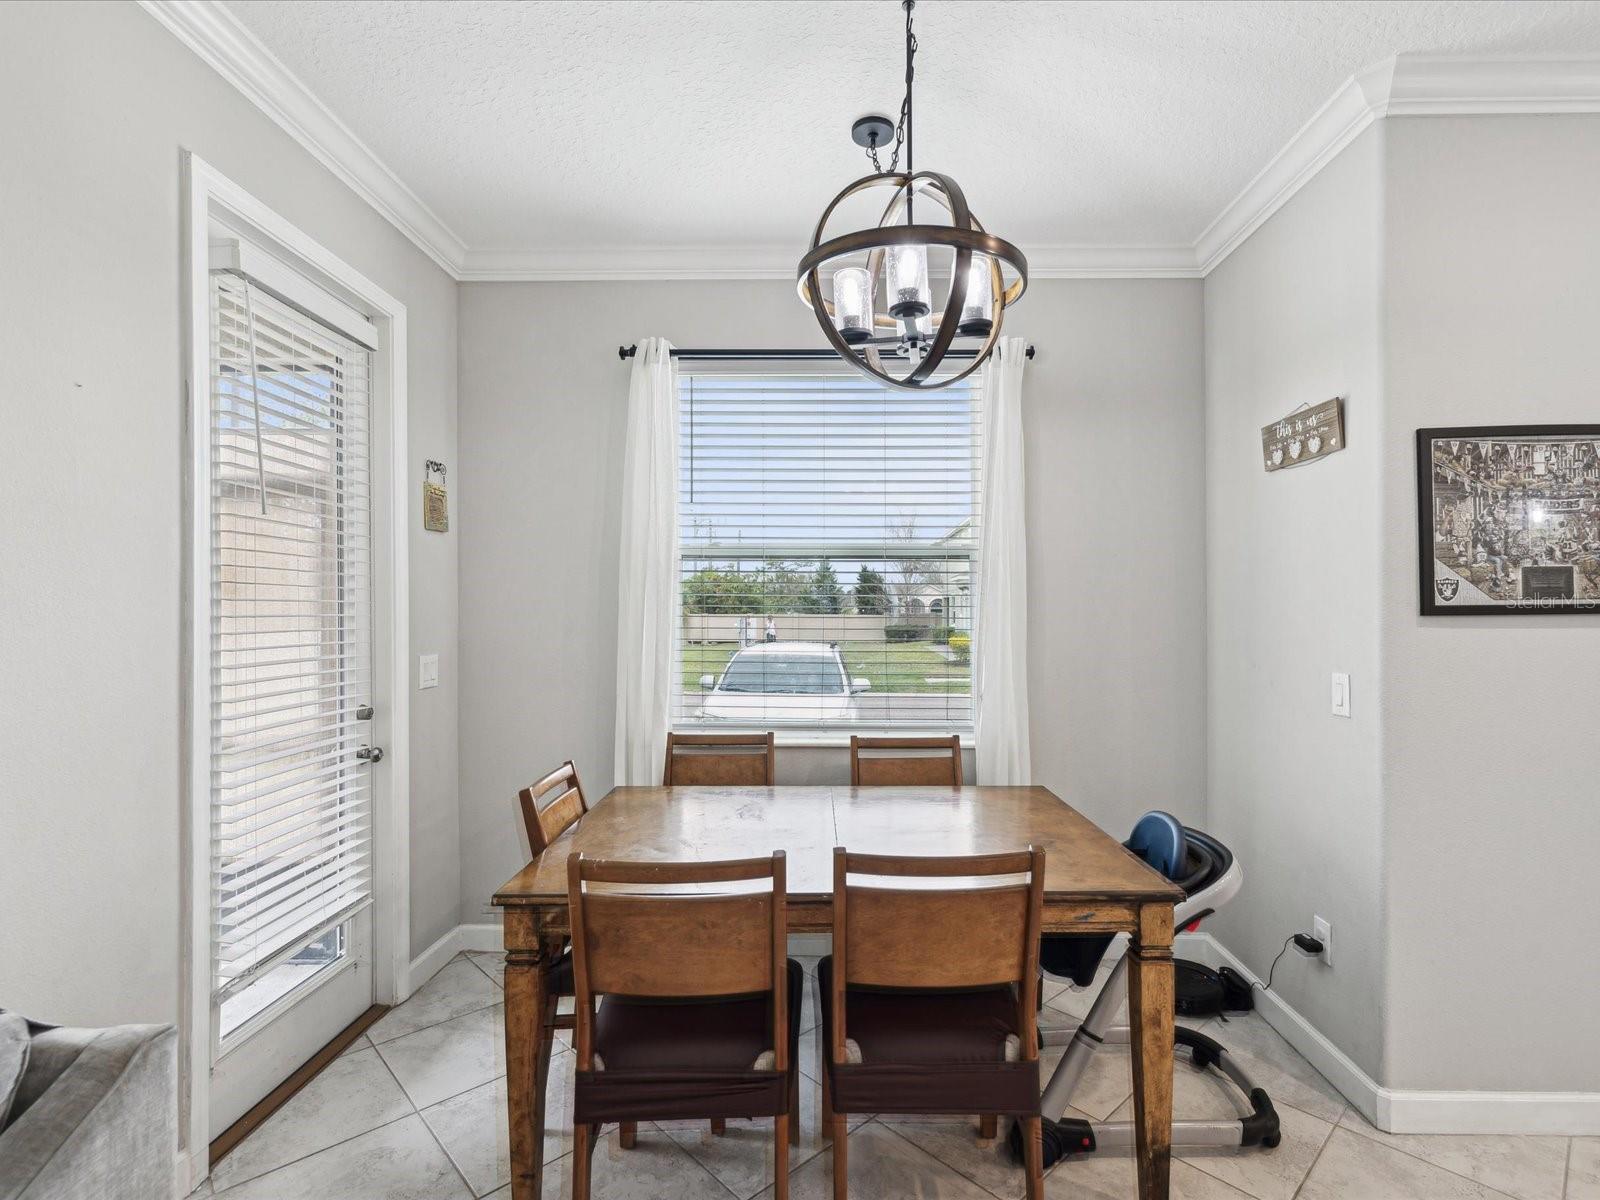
x=415, y=1110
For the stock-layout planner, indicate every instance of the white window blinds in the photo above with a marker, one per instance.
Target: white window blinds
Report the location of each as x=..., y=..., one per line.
x=291, y=629
x=829, y=532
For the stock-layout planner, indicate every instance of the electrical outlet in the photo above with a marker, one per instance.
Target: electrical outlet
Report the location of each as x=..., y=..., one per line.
x=1323, y=932
x=428, y=671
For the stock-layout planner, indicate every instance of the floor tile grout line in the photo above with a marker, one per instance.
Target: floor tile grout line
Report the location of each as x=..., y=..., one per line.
x=673, y=1142
x=404, y=1095
x=1332, y=1127
x=436, y=1024
x=1493, y=1191
x=1361, y=1133
x=952, y=1166
x=211, y=1176
x=794, y=1164
x=796, y=1161
x=451, y=1159
x=473, y=959
x=1321, y=1150
x=1566, y=1169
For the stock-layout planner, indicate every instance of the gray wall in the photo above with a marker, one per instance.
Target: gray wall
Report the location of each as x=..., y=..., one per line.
x=95, y=104
x=1438, y=272
x=1293, y=317
x=1492, y=725
x=1113, y=410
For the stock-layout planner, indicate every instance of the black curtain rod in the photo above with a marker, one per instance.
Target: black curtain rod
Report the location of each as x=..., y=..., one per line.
x=725, y=354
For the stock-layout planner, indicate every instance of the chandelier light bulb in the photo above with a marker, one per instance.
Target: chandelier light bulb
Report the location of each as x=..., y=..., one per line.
x=909, y=294
x=977, y=311
x=852, y=304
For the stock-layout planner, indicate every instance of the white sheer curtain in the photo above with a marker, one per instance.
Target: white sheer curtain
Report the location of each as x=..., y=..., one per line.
x=648, y=570
x=1000, y=669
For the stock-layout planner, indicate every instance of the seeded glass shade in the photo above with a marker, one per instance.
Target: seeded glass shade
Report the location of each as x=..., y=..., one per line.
x=852, y=304
x=909, y=294
x=976, y=318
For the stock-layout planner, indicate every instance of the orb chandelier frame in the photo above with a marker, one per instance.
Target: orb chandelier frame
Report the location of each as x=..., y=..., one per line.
x=978, y=295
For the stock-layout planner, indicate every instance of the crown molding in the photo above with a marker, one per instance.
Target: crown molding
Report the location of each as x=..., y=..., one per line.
x=1407, y=85
x=1357, y=104
x=778, y=262
x=1481, y=86
x=236, y=54
x=1403, y=86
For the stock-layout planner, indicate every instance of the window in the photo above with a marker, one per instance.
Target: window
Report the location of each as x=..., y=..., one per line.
x=290, y=648
x=828, y=541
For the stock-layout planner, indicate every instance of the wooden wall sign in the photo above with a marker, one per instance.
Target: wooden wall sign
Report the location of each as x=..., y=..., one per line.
x=1305, y=435
x=435, y=499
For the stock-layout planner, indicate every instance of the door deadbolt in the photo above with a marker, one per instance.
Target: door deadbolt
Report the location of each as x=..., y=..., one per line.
x=373, y=754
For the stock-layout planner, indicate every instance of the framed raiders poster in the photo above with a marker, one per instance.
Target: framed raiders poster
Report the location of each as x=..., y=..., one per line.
x=1509, y=519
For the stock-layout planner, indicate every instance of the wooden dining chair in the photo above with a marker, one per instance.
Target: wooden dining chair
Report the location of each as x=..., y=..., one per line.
x=928, y=997
x=550, y=805
x=905, y=761
x=698, y=1012
x=548, y=808
x=719, y=760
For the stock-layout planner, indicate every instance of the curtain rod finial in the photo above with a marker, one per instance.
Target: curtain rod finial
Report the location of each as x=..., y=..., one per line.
x=627, y=352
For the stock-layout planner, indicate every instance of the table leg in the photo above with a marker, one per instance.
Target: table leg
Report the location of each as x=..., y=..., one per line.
x=1150, y=1009
x=530, y=1012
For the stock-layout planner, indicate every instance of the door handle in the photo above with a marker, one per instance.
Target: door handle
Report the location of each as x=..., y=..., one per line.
x=373, y=754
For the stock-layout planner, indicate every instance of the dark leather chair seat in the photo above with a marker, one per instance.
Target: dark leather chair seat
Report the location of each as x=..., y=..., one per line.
x=662, y=1035
x=928, y=1051
x=923, y=1028
x=668, y=1059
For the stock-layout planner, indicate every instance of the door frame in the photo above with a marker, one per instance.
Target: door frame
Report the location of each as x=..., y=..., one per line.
x=206, y=194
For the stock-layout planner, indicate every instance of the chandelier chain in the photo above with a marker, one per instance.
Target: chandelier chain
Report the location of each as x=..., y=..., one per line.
x=905, y=105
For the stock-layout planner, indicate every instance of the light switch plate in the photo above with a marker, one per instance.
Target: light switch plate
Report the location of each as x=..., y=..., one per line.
x=428, y=671
x=1341, y=694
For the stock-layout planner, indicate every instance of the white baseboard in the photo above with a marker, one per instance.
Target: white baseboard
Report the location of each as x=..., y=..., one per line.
x=487, y=936
x=432, y=960
x=1567, y=1114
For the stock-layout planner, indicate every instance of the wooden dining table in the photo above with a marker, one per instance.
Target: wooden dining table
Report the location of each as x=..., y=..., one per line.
x=1092, y=885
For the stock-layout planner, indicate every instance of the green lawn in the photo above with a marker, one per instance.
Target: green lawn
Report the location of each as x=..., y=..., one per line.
x=891, y=666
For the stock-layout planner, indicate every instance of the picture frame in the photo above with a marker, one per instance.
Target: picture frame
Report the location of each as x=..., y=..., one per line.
x=1508, y=520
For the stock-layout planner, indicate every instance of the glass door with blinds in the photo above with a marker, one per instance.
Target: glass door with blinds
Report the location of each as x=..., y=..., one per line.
x=291, y=620
x=828, y=534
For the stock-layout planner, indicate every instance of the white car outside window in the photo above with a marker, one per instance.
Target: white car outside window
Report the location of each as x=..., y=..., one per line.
x=776, y=683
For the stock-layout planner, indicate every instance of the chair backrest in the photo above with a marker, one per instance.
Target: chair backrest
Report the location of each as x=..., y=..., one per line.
x=550, y=805
x=905, y=761
x=719, y=760
x=679, y=930
x=963, y=921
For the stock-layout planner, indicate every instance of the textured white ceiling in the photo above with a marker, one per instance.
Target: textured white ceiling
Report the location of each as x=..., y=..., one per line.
x=545, y=127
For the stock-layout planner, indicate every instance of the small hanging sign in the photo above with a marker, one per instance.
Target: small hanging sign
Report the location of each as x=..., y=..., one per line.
x=435, y=500
x=1307, y=434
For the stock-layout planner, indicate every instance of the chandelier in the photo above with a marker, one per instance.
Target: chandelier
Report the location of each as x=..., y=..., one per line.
x=983, y=275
